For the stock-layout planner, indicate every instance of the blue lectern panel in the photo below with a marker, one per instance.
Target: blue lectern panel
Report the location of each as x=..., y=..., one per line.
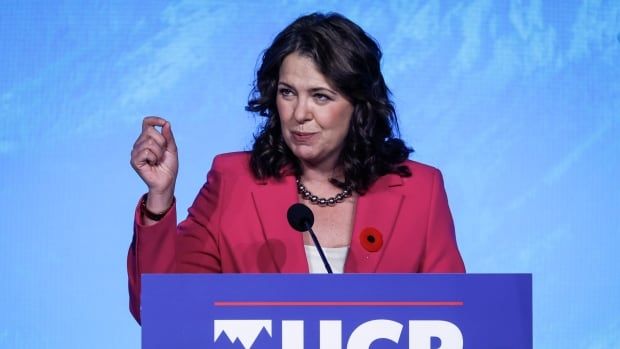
x=351, y=311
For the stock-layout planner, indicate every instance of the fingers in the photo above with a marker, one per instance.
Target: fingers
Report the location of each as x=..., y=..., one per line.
x=152, y=121
x=144, y=156
x=148, y=125
x=155, y=151
x=150, y=134
x=166, y=131
x=151, y=146
x=149, y=157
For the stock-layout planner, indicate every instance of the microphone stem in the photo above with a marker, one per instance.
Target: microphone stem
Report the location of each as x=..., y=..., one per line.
x=318, y=246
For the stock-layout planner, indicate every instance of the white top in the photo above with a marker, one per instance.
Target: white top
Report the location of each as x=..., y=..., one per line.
x=336, y=257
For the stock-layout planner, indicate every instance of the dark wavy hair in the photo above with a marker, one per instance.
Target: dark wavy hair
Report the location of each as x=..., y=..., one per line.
x=350, y=60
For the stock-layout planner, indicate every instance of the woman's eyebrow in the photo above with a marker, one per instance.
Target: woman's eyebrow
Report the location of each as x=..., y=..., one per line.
x=323, y=89
x=312, y=89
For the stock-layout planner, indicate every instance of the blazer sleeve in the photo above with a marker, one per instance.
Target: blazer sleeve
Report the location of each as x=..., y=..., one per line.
x=152, y=250
x=164, y=247
x=441, y=251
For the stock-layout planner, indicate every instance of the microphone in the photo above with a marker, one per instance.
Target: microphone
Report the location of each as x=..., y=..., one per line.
x=300, y=217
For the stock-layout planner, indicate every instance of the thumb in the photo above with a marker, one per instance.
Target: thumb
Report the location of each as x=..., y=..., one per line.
x=166, y=131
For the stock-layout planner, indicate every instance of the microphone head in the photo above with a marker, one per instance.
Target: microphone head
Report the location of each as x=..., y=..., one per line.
x=300, y=217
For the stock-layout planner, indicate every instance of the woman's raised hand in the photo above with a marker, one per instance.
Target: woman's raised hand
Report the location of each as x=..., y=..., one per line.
x=154, y=157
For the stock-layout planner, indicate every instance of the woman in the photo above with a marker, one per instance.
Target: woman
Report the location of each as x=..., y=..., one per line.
x=328, y=141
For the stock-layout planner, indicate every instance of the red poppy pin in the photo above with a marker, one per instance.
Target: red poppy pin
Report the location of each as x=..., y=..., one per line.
x=371, y=239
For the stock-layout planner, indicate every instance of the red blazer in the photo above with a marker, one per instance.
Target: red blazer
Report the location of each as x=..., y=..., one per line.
x=238, y=224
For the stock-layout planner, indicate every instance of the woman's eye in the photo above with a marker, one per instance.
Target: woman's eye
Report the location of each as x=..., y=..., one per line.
x=286, y=92
x=321, y=97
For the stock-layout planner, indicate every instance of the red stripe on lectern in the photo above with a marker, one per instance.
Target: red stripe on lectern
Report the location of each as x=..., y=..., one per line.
x=338, y=304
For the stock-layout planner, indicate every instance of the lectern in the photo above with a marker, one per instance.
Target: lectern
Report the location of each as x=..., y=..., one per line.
x=344, y=311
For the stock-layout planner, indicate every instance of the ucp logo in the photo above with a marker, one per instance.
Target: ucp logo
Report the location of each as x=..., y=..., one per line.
x=257, y=334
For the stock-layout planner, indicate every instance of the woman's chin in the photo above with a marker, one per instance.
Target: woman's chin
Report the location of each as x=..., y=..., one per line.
x=308, y=158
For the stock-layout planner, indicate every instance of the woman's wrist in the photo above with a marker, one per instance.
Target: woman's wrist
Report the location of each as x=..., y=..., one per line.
x=157, y=201
x=156, y=206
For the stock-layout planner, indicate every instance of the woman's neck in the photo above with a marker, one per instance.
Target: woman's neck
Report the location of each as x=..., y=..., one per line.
x=320, y=174
x=319, y=181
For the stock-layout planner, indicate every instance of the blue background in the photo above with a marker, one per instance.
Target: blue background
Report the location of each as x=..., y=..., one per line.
x=517, y=102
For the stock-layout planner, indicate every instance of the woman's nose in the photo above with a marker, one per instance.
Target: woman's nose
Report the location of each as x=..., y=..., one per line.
x=302, y=112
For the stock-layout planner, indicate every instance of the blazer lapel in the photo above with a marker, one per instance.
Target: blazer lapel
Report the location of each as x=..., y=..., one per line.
x=272, y=200
x=379, y=209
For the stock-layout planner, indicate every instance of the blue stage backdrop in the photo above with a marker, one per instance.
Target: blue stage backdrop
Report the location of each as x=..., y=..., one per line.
x=517, y=102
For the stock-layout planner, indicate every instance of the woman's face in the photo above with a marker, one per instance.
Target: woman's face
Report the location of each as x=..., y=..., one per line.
x=314, y=116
